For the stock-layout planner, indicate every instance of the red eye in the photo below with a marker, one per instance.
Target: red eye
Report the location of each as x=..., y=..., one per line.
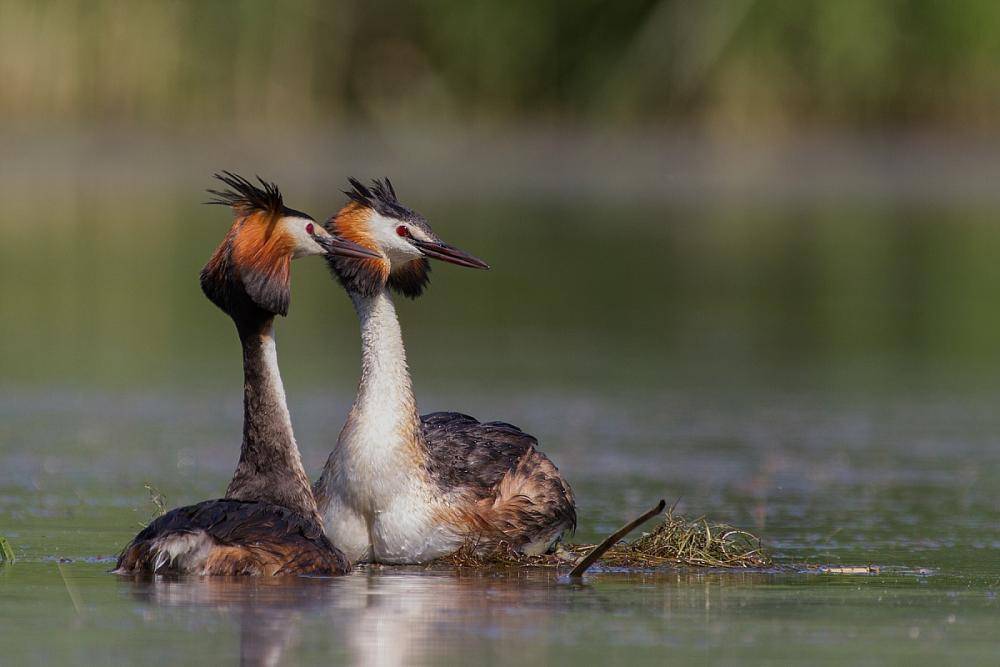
x=402, y=231
x=309, y=228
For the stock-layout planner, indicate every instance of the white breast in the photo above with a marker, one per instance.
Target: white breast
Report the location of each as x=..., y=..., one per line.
x=382, y=506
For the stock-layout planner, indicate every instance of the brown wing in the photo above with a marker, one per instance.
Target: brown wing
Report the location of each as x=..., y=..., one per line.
x=232, y=537
x=517, y=490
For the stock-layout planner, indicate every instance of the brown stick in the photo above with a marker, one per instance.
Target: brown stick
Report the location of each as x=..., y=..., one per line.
x=613, y=539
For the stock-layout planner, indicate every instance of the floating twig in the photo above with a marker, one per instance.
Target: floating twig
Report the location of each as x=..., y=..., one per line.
x=613, y=539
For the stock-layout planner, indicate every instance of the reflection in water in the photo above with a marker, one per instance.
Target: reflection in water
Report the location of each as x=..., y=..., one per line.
x=268, y=610
x=376, y=618
x=398, y=617
x=402, y=616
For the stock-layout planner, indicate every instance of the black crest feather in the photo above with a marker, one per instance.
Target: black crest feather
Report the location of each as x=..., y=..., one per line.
x=381, y=197
x=245, y=196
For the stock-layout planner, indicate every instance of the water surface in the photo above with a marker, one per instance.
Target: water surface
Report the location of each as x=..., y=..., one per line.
x=823, y=376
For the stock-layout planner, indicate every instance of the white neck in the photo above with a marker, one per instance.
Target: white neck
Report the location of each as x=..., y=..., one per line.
x=385, y=395
x=379, y=451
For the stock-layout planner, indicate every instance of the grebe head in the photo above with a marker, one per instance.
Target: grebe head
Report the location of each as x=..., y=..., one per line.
x=252, y=265
x=374, y=218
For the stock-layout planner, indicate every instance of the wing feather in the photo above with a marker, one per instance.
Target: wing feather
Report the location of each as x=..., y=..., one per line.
x=516, y=489
x=232, y=537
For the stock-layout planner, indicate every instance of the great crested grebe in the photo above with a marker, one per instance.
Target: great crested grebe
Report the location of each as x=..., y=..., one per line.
x=268, y=523
x=401, y=488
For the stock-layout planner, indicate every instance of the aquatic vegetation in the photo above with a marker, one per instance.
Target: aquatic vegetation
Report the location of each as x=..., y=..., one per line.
x=158, y=501
x=6, y=551
x=676, y=541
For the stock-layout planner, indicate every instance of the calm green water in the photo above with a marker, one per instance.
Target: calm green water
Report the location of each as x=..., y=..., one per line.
x=825, y=376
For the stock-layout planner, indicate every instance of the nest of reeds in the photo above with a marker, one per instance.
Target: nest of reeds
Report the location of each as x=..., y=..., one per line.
x=675, y=541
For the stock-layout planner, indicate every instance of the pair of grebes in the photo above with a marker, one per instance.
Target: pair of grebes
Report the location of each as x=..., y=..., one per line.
x=398, y=487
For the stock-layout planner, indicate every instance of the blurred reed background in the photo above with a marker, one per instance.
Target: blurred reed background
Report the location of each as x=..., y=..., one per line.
x=670, y=192
x=729, y=66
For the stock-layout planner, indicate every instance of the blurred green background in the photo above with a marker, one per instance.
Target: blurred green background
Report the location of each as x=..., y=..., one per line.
x=729, y=64
x=670, y=192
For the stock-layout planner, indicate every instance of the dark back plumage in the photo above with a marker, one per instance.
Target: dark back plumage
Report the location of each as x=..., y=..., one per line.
x=477, y=458
x=250, y=538
x=467, y=452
